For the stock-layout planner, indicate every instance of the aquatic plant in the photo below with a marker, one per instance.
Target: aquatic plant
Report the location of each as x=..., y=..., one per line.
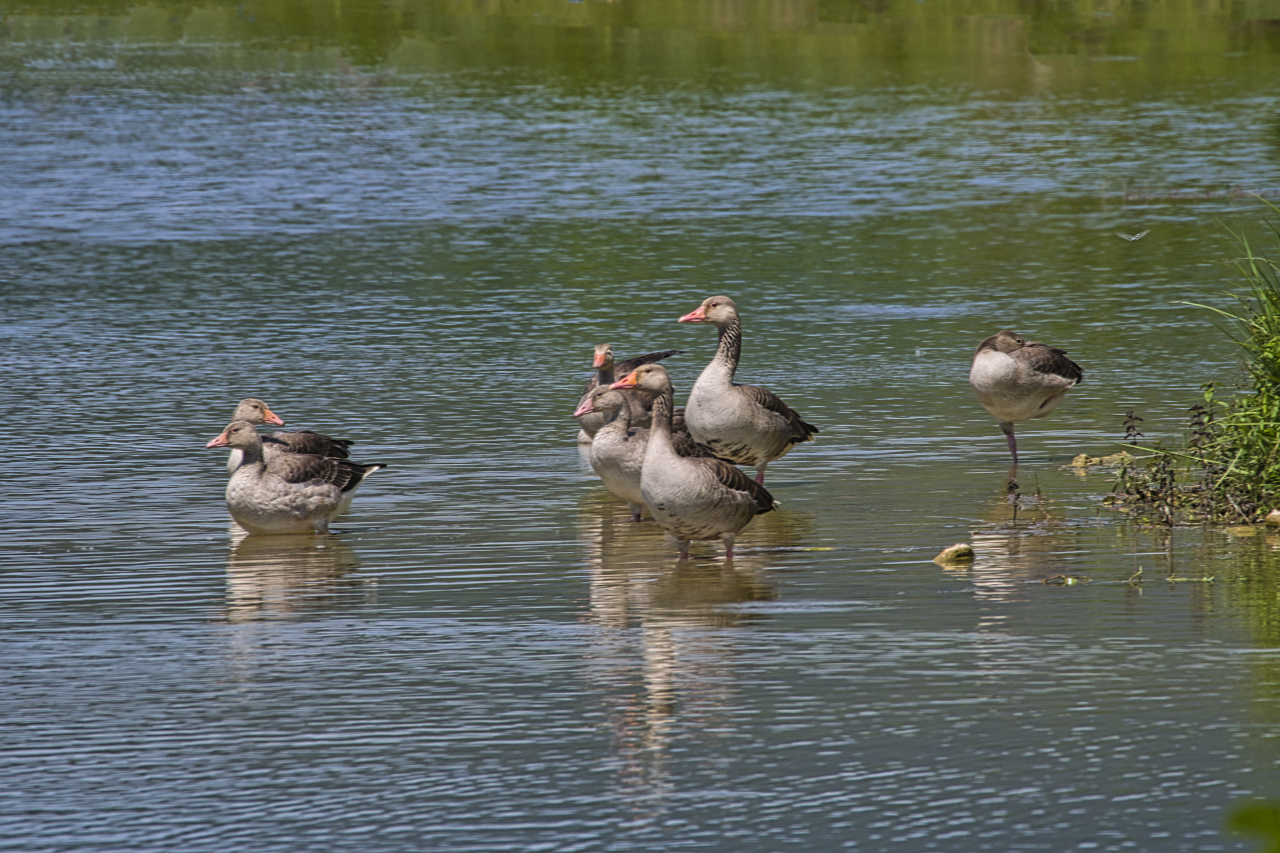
x=1229, y=467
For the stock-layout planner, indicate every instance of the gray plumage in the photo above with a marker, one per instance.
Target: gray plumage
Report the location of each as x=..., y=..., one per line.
x=618, y=448
x=691, y=497
x=286, y=492
x=606, y=372
x=1016, y=381
x=254, y=411
x=746, y=424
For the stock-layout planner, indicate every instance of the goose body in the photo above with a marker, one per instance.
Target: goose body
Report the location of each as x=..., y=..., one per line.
x=1016, y=380
x=618, y=449
x=692, y=497
x=746, y=424
x=286, y=492
x=606, y=370
x=254, y=411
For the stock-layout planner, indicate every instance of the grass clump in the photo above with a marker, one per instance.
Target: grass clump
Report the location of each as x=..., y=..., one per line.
x=1229, y=469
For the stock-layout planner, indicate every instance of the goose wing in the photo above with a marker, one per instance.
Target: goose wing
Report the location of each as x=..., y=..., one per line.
x=800, y=429
x=1043, y=358
x=731, y=477
x=306, y=441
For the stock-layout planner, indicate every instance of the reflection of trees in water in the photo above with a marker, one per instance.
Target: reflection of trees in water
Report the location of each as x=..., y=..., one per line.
x=284, y=576
x=664, y=652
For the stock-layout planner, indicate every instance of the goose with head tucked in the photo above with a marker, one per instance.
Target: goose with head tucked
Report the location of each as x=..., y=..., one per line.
x=618, y=449
x=691, y=497
x=1016, y=380
x=746, y=424
x=254, y=411
x=286, y=492
x=605, y=371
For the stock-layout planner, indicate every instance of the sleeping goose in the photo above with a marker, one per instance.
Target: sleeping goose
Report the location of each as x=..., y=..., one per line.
x=254, y=411
x=606, y=369
x=617, y=451
x=691, y=497
x=745, y=424
x=1016, y=380
x=286, y=492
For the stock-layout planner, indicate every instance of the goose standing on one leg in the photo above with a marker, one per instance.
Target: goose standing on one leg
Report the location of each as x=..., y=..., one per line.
x=254, y=411
x=606, y=369
x=618, y=449
x=746, y=424
x=1016, y=380
x=287, y=492
x=691, y=497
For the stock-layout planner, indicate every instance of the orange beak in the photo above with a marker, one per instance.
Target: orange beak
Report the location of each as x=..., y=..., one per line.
x=628, y=381
x=220, y=441
x=697, y=315
x=599, y=361
x=270, y=417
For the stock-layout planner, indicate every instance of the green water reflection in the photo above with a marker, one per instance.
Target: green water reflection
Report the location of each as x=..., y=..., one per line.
x=1019, y=45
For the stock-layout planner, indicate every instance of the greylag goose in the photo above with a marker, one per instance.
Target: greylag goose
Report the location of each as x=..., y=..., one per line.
x=617, y=451
x=745, y=424
x=691, y=497
x=287, y=492
x=254, y=411
x=606, y=370
x=1016, y=380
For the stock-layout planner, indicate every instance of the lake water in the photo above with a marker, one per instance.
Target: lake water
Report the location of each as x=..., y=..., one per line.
x=409, y=227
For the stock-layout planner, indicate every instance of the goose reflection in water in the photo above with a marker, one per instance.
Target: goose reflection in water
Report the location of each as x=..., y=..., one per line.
x=664, y=654
x=1024, y=543
x=279, y=577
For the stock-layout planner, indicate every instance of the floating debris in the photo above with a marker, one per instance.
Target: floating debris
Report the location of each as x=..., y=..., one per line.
x=1065, y=580
x=961, y=552
x=1084, y=460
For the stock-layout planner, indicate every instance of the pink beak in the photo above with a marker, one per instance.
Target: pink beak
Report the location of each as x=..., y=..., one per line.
x=697, y=315
x=220, y=441
x=585, y=409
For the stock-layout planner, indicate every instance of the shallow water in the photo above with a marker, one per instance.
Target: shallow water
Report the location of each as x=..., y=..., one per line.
x=419, y=255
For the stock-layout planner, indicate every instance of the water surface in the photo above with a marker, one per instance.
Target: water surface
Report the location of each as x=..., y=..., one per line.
x=410, y=232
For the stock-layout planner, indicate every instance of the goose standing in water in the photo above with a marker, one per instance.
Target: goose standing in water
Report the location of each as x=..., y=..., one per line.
x=254, y=411
x=618, y=449
x=606, y=370
x=691, y=497
x=745, y=424
x=1017, y=381
x=286, y=492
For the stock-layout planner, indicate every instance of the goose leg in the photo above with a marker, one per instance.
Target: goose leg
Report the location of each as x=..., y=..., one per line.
x=684, y=549
x=760, y=473
x=728, y=547
x=635, y=510
x=1007, y=426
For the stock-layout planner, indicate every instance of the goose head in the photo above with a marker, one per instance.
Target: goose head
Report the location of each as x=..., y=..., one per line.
x=651, y=378
x=604, y=357
x=716, y=310
x=239, y=434
x=601, y=399
x=254, y=411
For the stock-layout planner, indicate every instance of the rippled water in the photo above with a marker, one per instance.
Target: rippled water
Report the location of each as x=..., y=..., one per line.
x=489, y=655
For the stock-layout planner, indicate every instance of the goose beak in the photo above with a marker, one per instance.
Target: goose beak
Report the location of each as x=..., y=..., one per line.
x=628, y=381
x=271, y=417
x=220, y=441
x=585, y=409
x=697, y=315
x=599, y=361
